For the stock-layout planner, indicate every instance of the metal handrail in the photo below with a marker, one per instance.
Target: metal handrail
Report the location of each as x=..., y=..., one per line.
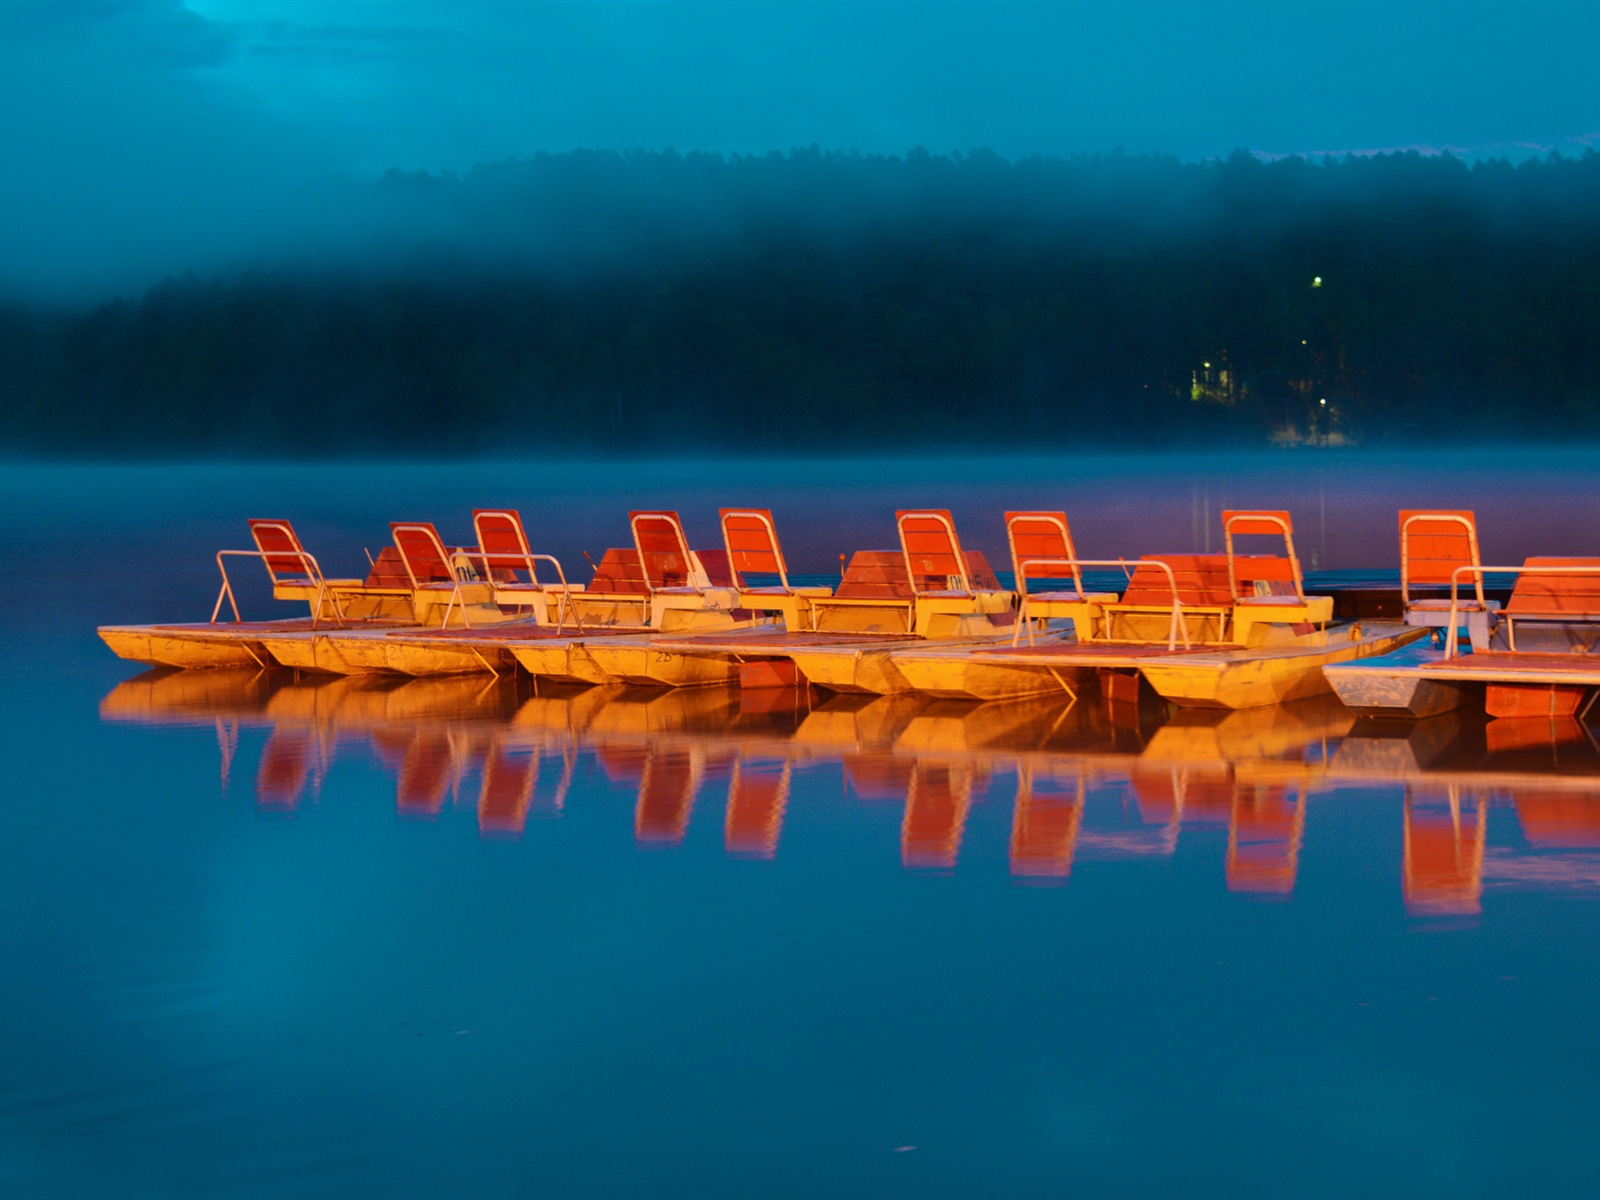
x=313, y=575
x=483, y=556
x=1172, y=582
x=1022, y=590
x=1022, y=573
x=1452, y=640
x=432, y=535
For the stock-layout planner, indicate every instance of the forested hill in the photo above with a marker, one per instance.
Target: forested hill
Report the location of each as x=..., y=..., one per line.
x=593, y=301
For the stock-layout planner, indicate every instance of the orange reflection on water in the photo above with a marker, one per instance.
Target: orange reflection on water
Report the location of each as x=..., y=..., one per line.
x=879, y=776
x=1264, y=834
x=667, y=788
x=1442, y=855
x=287, y=765
x=1171, y=795
x=1505, y=735
x=757, y=795
x=1045, y=820
x=507, y=790
x=1104, y=782
x=937, y=801
x=426, y=773
x=1558, y=820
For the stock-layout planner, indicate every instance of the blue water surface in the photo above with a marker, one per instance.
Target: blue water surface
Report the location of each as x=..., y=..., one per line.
x=277, y=938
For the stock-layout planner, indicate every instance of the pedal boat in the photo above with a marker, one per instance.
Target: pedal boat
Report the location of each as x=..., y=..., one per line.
x=295, y=575
x=930, y=590
x=1539, y=657
x=658, y=583
x=1268, y=671
x=1228, y=631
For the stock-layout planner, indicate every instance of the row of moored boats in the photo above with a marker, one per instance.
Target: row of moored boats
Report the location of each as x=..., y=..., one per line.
x=1228, y=630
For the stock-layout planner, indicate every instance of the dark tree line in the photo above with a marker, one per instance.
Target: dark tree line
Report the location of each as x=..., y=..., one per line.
x=824, y=301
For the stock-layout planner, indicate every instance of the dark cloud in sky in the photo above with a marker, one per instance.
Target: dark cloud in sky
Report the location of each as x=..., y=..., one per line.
x=143, y=137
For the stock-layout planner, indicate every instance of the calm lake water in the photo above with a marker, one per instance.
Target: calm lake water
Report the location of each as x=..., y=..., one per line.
x=273, y=938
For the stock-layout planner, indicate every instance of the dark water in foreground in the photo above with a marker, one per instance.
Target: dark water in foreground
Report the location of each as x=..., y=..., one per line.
x=339, y=938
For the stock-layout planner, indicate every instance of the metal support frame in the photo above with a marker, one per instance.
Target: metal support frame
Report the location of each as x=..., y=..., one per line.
x=313, y=575
x=1281, y=526
x=1452, y=639
x=1178, y=625
x=1021, y=569
x=429, y=533
x=789, y=593
x=529, y=559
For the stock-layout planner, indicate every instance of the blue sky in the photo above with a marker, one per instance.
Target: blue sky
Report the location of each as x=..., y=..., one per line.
x=147, y=136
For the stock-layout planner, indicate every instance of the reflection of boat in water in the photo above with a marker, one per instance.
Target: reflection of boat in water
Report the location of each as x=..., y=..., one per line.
x=1449, y=863
x=1458, y=769
x=1442, y=855
x=1465, y=748
x=1098, y=778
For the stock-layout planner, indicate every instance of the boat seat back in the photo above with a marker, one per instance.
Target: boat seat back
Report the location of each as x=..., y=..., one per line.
x=663, y=550
x=281, y=550
x=1270, y=523
x=503, y=541
x=1556, y=595
x=1433, y=543
x=422, y=552
x=1201, y=579
x=752, y=543
x=1037, y=536
x=933, y=552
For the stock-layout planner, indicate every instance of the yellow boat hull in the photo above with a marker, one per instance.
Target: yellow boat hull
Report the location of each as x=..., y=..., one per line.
x=1243, y=679
x=959, y=676
x=1221, y=678
x=653, y=666
x=875, y=670
x=203, y=647
x=558, y=660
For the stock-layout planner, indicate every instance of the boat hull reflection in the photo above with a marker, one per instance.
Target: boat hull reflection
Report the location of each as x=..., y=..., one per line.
x=1104, y=775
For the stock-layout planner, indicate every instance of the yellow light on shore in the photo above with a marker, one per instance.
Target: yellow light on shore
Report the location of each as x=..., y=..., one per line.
x=1323, y=402
x=1316, y=281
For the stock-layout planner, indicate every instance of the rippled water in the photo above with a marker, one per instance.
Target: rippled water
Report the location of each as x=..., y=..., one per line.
x=268, y=937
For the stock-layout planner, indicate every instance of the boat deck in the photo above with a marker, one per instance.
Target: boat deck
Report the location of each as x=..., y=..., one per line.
x=1097, y=653
x=1508, y=666
x=501, y=634
x=250, y=628
x=778, y=643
